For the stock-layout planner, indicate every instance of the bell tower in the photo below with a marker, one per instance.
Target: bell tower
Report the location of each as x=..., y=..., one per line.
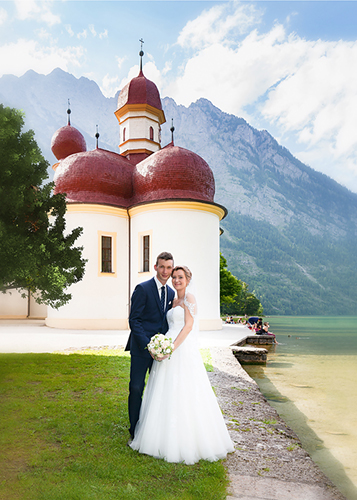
x=140, y=116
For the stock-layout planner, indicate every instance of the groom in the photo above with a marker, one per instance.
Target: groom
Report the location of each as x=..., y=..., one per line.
x=149, y=304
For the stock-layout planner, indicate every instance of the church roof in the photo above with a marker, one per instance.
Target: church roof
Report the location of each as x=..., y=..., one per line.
x=105, y=177
x=140, y=90
x=97, y=176
x=66, y=141
x=173, y=172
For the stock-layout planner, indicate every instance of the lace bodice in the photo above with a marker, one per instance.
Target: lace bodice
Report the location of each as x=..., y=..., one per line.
x=176, y=319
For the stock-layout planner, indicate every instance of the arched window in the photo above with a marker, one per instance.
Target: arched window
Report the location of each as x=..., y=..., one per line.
x=151, y=134
x=124, y=134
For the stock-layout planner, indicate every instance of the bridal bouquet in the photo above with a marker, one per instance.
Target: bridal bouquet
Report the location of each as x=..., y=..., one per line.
x=160, y=345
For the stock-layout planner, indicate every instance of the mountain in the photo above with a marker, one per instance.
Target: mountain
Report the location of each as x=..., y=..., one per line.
x=291, y=232
x=44, y=100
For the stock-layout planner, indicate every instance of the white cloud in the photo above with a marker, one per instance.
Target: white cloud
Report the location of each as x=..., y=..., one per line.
x=213, y=25
x=317, y=104
x=167, y=68
x=43, y=34
x=92, y=30
x=234, y=77
x=153, y=73
x=342, y=169
x=50, y=18
x=110, y=85
x=26, y=8
x=83, y=34
x=69, y=30
x=3, y=16
x=17, y=58
x=305, y=90
x=40, y=11
x=120, y=61
x=318, y=90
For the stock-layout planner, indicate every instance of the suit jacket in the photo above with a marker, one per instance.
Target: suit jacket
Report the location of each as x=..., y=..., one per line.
x=146, y=316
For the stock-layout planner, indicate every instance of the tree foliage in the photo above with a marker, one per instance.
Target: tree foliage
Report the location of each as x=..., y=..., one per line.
x=230, y=286
x=36, y=253
x=235, y=297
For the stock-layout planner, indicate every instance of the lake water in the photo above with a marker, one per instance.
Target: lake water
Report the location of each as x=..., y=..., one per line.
x=311, y=380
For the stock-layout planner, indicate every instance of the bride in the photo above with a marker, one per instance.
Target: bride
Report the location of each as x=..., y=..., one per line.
x=180, y=419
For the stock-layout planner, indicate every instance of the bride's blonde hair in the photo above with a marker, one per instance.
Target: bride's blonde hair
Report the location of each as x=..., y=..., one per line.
x=186, y=271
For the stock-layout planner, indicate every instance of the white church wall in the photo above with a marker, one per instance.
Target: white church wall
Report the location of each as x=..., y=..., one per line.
x=190, y=231
x=12, y=305
x=37, y=311
x=100, y=300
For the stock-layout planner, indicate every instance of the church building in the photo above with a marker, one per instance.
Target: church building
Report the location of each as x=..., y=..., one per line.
x=133, y=205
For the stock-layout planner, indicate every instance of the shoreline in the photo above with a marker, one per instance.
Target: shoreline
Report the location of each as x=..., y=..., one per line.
x=269, y=460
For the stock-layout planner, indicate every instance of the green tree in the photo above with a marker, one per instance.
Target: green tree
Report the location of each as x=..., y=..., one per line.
x=235, y=297
x=252, y=305
x=230, y=286
x=36, y=254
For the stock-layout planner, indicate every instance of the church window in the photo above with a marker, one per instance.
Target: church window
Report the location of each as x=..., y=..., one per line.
x=151, y=134
x=124, y=130
x=106, y=254
x=146, y=253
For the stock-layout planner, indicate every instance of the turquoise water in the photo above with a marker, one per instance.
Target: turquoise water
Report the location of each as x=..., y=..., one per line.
x=311, y=380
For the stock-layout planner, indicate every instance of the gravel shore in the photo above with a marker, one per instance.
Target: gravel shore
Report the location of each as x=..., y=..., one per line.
x=268, y=453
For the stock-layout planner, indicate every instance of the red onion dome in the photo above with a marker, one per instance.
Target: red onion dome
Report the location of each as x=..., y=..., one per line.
x=67, y=141
x=140, y=90
x=97, y=176
x=173, y=173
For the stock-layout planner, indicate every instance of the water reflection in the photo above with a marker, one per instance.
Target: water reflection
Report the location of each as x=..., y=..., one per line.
x=310, y=380
x=276, y=364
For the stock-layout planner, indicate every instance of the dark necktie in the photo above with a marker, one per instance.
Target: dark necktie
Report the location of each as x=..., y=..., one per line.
x=163, y=298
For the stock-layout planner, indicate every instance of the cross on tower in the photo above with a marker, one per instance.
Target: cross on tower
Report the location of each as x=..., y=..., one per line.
x=141, y=53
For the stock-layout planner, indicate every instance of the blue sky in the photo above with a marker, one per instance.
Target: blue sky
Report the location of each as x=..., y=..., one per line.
x=287, y=67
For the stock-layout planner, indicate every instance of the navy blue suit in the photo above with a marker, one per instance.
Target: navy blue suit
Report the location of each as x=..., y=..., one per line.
x=146, y=319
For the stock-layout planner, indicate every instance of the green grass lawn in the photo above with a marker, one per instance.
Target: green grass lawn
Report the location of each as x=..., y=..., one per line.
x=63, y=435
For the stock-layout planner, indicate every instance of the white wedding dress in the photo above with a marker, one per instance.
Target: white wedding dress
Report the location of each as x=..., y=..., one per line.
x=180, y=420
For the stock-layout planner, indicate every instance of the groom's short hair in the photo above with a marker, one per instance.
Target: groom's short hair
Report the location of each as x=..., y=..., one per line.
x=164, y=256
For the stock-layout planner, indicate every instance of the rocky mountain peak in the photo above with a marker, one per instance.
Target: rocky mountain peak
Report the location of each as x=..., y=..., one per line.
x=291, y=231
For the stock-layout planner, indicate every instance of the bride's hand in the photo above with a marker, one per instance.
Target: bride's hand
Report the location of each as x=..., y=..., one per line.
x=161, y=358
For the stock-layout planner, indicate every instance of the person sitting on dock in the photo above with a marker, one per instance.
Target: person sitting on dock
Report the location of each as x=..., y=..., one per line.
x=265, y=331
x=259, y=324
